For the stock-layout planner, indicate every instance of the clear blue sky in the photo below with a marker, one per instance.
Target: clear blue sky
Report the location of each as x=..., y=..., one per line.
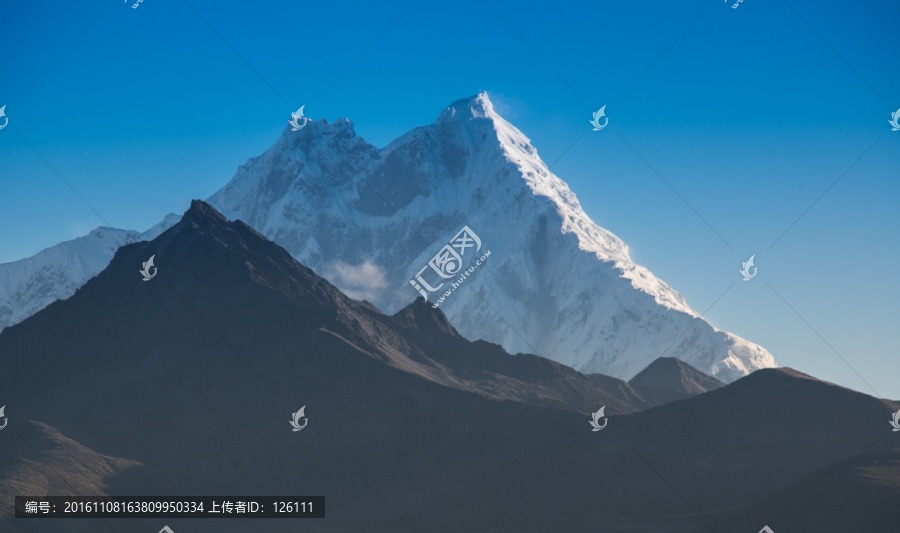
x=750, y=116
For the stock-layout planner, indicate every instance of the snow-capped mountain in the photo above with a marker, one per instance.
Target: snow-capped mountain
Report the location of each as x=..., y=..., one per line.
x=29, y=285
x=369, y=220
x=555, y=283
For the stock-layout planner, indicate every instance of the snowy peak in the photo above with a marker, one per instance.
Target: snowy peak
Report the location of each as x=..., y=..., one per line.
x=530, y=175
x=474, y=123
x=478, y=106
x=314, y=163
x=556, y=284
x=319, y=130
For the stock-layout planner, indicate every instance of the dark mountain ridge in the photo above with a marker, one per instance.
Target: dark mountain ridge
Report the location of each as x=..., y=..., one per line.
x=183, y=385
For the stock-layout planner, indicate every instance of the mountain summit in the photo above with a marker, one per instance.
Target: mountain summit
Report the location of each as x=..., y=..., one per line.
x=668, y=373
x=369, y=220
x=555, y=284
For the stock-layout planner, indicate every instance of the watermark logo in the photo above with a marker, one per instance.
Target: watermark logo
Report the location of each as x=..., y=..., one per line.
x=748, y=264
x=895, y=421
x=3, y=416
x=448, y=263
x=136, y=4
x=295, y=421
x=766, y=529
x=166, y=529
x=895, y=117
x=4, y=117
x=736, y=4
x=595, y=419
x=595, y=122
x=295, y=119
x=147, y=265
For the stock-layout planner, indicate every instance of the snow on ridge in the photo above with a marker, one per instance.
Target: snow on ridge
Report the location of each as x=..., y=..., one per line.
x=591, y=237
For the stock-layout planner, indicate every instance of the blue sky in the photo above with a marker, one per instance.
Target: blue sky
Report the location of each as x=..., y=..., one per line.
x=746, y=116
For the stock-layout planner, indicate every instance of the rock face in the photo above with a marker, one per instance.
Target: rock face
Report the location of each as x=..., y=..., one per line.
x=555, y=284
x=369, y=220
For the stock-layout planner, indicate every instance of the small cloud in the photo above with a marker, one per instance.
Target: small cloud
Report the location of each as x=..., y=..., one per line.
x=508, y=107
x=365, y=281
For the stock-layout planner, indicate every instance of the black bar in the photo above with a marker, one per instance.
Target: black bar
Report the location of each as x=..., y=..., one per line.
x=170, y=506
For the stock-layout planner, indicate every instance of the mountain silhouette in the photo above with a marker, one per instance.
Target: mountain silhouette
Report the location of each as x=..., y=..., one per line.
x=665, y=380
x=185, y=385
